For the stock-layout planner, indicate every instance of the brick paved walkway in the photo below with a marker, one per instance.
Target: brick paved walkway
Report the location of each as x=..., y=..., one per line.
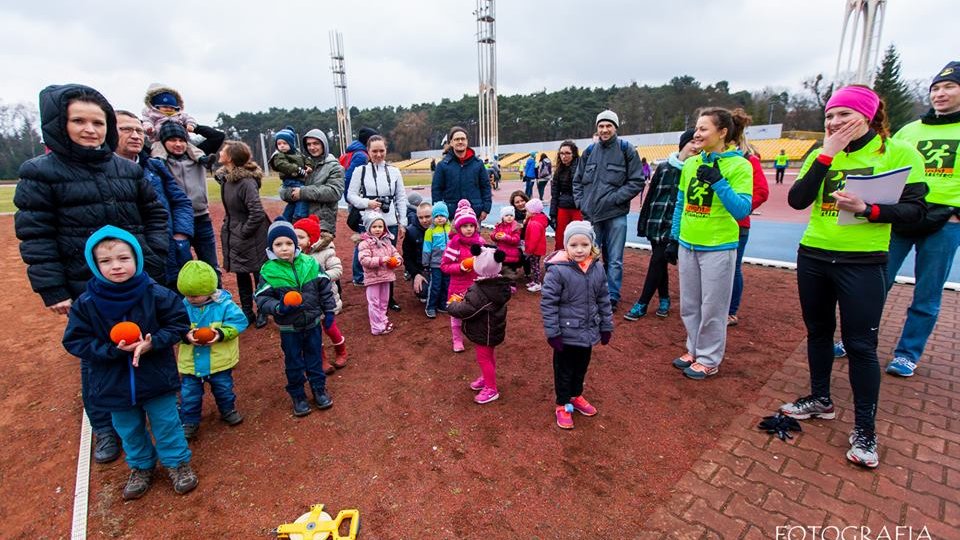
x=751, y=483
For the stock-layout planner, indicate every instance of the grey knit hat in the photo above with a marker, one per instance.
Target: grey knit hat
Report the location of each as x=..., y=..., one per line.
x=609, y=116
x=579, y=227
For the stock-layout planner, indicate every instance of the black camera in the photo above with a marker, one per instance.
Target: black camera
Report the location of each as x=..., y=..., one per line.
x=384, y=204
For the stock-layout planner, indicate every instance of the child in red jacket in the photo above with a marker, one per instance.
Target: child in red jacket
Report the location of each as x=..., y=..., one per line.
x=535, y=242
x=506, y=236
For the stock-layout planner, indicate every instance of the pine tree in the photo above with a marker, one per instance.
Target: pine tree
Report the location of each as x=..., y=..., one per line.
x=894, y=91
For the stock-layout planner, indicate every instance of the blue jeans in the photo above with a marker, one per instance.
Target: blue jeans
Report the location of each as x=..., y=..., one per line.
x=737, y=274
x=131, y=424
x=301, y=353
x=934, y=258
x=437, y=292
x=191, y=394
x=611, y=238
x=205, y=243
x=295, y=210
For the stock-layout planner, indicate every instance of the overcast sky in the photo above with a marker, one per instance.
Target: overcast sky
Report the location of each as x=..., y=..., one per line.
x=234, y=56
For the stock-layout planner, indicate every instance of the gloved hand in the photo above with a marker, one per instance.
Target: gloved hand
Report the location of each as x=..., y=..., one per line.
x=556, y=343
x=327, y=320
x=283, y=309
x=671, y=252
x=605, y=336
x=708, y=174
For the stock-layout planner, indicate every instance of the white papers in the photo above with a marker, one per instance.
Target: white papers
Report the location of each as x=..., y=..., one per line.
x=883, y=188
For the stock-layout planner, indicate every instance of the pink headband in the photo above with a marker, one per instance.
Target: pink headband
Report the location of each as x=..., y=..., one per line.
x=863, y=100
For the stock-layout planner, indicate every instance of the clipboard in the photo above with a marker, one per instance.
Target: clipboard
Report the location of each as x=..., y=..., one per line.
x=883, y=188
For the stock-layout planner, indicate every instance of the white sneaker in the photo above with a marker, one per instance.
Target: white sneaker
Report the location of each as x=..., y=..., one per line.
x=535, y=287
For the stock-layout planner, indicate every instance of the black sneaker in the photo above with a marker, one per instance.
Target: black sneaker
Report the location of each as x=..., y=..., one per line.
x=809, y=407
x=614, y=304
x=261, y=320
x=138, y=484
x=107, y=448
x=393, y=305
x=190, y=431
x=183, y=478
x=322, y=400
x=301, y=407
x=232, y=418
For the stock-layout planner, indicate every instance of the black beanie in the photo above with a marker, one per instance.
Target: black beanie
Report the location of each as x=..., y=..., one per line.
x=950, y=72
x=172, y=128
x=364, y=135
x=686, y=137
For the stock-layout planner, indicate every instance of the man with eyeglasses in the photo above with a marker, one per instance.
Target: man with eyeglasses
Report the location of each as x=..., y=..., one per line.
x=180, y=223
x=608, y=177
x=461, y=175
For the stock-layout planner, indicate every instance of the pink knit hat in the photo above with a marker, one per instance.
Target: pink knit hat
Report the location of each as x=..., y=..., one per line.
x=535, y=206
x=486, y=260
x=859, y=98
x=464, y=214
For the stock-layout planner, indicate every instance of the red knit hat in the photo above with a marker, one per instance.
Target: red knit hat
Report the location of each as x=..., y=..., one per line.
x=311, y=226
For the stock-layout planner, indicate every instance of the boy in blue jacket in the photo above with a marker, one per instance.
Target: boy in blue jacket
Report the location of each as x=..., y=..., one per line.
x=135, y=381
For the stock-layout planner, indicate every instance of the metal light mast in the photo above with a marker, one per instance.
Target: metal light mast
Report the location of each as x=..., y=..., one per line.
x=487, y=72
x=340, y=90
x=864, y=19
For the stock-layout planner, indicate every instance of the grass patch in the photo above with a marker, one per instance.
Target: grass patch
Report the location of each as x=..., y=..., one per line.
x=269, y=188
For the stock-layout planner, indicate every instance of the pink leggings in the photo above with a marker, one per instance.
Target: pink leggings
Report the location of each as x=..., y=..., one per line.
x=487, y=360
x=377, y=297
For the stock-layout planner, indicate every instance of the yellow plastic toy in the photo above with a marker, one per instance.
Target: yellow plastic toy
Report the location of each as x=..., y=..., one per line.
x=318, y=525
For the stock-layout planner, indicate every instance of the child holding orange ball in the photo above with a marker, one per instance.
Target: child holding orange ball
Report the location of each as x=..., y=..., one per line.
x=379, y=258
x=210, y=349
x=136, y=381
x=286, y=271
x=465, y=226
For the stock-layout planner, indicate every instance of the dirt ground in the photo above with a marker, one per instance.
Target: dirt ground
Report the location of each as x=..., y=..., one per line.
x=404, y=442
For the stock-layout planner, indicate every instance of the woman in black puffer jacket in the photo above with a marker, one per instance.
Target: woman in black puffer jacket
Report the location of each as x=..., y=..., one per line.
x=66, y=195
x=80, y=186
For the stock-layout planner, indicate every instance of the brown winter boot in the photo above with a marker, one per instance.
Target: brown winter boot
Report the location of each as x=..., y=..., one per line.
x=341, y=360
x=327, y=366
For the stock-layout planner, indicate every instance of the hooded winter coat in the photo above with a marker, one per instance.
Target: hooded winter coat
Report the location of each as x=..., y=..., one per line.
x=535, y=235
x=323, y=187
x=458, y=250
x=510, y=243
x=243, y=234
x=575, y=304
x=374, y=253
x=484, y=310
x=278, y=277
x=66, y=195
x=223, y=316
x=326, y=256
x=153, y=118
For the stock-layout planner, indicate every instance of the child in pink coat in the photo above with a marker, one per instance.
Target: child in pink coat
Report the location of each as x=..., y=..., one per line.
x=465, y=234
x=379, y=258
x=535, y=242
x=506, y=236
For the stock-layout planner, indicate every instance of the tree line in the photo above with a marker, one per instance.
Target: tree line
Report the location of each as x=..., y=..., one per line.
x=539, y=116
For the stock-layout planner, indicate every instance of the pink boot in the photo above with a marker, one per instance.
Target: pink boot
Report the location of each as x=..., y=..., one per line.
x=457, y=334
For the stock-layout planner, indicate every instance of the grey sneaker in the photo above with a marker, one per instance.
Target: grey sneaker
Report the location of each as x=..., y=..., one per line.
x=183, y=478
x=232, y=418
x=107, y=448
x=190, y=431
x=863, y=448
x=138, y=484
x=809, y=407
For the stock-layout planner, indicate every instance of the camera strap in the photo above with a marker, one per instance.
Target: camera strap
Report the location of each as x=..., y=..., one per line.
x=393, y=190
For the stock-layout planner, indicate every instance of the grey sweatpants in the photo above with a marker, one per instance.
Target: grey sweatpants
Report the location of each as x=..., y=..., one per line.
x=706, y=281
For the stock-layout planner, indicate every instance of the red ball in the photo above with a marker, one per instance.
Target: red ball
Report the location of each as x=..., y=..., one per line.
x=125, y=331
x=292, y=298
x=204, y=335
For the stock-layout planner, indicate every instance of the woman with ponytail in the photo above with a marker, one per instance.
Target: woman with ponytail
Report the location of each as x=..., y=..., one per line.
x=846, y=264
x=716, y=190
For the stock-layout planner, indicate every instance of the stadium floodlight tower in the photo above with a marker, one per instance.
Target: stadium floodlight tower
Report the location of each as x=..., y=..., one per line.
x=344, y=129
x=864, y=19
x=487, y=71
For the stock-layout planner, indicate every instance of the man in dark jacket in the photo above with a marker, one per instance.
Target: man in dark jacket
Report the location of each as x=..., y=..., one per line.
x=461, y=175
x=191, y=176
x=66, y=195
x=413, y=250
x=608, y=177
x=176, y=202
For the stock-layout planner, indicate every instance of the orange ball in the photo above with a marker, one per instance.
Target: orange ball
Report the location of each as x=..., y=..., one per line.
x=204, y=335
x=292, y=298
x=125, y=331
x=468, y=263
x=393, y=262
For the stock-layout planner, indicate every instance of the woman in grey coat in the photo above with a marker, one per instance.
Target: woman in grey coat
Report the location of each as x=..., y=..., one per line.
x=575, y=304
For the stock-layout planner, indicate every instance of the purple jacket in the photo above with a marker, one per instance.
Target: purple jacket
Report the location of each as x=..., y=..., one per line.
x=575, y=304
